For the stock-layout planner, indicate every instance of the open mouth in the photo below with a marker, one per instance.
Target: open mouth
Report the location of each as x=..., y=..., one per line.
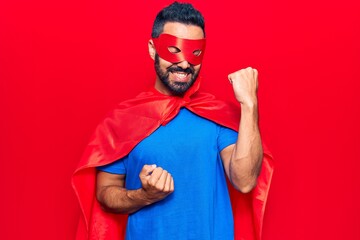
x=181, y=76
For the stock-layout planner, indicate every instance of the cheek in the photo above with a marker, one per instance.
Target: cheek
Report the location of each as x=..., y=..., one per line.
x=164, y=64
x=197, y=68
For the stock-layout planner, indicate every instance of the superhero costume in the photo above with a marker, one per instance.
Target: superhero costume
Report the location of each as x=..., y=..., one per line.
x=189, y=148
x=132, y=121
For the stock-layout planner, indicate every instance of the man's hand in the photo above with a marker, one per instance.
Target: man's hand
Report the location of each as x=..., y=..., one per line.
x=245, y=84
x=114, y=197
x=156, y=182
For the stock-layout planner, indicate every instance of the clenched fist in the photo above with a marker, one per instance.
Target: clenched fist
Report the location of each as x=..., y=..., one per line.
x=156, y=182
x=245, y=84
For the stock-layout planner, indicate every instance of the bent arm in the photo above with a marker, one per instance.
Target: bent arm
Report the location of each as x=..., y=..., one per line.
x=112, y=195
x=242, y=160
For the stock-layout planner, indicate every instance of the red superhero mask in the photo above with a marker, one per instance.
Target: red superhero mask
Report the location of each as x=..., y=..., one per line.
x=175, y=50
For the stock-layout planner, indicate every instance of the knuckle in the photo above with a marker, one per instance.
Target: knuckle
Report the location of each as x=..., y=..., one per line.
x=152, y=182
x=159, y=184
x=159, y=187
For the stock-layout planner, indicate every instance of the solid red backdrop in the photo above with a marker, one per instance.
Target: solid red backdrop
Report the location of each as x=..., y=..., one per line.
x=64, y=64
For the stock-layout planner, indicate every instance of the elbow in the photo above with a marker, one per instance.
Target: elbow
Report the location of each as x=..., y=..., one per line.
x=245, y=180
x=99, y=194
x=248, y=188
x=245, y=187
x=109, y=209
x=101, y=198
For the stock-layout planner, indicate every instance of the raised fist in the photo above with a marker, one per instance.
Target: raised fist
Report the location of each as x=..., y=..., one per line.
x=245, y=84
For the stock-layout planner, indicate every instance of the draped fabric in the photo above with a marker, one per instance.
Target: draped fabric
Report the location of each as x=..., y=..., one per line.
x=132, y=121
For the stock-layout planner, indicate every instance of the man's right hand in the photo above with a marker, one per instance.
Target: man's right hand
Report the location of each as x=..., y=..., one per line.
x=114, y=197
x=156, y=182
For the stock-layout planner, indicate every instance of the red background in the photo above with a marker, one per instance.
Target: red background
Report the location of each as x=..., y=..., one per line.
x=64, y=64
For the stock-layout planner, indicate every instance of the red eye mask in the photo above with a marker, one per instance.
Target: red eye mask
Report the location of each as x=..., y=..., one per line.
x=175, y=50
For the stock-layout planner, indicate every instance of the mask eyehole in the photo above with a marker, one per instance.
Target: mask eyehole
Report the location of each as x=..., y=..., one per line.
x=174, y=49
x=197, y=52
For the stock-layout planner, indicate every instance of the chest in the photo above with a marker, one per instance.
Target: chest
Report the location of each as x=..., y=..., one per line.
x=187, y=140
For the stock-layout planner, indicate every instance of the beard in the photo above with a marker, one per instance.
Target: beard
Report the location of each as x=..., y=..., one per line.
x=176, y=88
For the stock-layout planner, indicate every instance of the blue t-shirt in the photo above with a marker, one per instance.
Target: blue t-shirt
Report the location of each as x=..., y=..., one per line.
x=189, y=148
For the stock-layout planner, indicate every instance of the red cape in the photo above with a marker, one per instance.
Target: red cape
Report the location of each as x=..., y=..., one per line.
x=136, y=119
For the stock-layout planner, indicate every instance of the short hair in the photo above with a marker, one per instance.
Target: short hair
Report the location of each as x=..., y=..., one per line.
x=177, y=12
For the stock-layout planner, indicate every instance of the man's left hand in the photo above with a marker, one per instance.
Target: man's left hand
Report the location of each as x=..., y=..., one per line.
x=245, y=84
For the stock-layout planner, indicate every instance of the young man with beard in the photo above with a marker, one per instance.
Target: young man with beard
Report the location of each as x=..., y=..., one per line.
x=169, y=176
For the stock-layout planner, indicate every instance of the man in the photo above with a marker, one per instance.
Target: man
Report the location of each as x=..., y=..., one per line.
x=170, y=175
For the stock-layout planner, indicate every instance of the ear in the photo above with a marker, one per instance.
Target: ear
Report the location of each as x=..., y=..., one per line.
x=152, y=50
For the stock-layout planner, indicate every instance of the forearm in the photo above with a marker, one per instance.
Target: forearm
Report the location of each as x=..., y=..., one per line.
x=246, y=158
x=112, y=195
x=116, y=199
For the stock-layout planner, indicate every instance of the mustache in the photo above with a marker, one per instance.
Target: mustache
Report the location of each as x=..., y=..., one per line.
x=179, y=69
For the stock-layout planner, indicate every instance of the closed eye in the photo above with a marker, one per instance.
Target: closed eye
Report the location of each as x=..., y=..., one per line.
x=173, y=49
x=197, y=52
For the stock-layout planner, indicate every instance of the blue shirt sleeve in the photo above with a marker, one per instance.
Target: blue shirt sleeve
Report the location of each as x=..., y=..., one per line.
x=226, y=137
x=117, y=167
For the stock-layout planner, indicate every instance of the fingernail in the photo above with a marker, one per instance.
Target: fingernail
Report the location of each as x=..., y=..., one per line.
x=153, y=166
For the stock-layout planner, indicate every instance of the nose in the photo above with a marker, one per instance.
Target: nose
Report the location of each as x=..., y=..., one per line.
x=184, y=64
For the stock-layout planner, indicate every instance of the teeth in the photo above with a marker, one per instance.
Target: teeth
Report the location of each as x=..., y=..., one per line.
x=181, y=74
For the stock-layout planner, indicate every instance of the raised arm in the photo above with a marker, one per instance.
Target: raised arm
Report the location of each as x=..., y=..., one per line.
x=242, y=160
x=114, y=197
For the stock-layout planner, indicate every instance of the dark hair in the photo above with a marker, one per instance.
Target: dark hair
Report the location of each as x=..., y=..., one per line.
x=177, y=12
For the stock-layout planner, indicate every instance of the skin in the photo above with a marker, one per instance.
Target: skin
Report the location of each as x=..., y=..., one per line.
x=181, y=31
x=242, y=160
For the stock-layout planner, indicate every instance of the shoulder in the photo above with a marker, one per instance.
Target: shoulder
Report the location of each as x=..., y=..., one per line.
x=222, y=112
